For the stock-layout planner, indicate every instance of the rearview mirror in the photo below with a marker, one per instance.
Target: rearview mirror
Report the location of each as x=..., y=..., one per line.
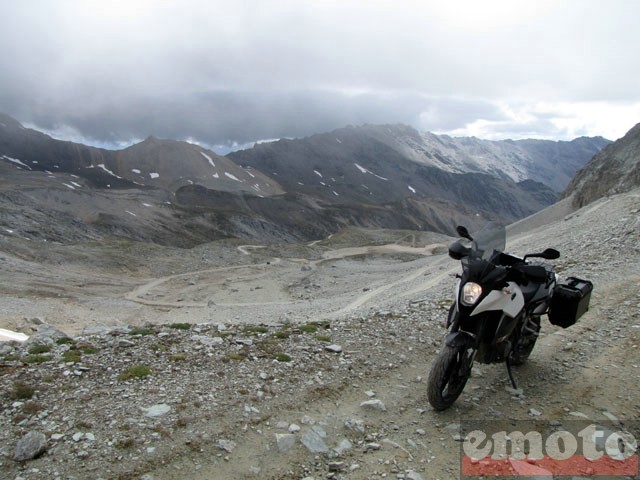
x=463, y=232
x=550, y=254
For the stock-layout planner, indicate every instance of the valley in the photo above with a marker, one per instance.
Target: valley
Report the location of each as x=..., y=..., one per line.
x=272, y=380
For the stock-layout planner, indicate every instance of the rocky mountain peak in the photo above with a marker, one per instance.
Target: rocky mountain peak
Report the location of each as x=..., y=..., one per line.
x=615, y=169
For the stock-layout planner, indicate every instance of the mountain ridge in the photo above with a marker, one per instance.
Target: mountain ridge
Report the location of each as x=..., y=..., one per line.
x=615, y=169
x=178, y=193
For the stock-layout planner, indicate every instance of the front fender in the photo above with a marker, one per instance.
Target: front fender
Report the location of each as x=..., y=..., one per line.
x=460, y=339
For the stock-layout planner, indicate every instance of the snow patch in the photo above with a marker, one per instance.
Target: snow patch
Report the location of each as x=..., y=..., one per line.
x=10, y=336
x=69, y=186
x=76, y=184
x=317, y=173
x=335, y=193
x=131, y=213
x=107, y=170
x=232, y=177
x=154, y=175
x=411, y=188
x=209, y=159
x=215, y=175
x=364, y=170
x=16, y=161
x=135, y=170
x=147, y=204
x=338, y=140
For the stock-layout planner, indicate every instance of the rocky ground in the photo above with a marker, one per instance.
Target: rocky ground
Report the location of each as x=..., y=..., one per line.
x=327, y=381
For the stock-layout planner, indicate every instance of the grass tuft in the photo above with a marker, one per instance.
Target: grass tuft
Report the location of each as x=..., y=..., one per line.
x=22, y=391
x=137, y=371
x=180, y=326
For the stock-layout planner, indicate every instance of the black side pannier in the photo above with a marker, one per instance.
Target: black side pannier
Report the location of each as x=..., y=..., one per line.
x=569, y=301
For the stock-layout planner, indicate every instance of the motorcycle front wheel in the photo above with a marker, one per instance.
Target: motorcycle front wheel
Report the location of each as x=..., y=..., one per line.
x=448, y=376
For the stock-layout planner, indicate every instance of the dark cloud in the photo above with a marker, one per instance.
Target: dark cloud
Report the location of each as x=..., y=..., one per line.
x=227, y=73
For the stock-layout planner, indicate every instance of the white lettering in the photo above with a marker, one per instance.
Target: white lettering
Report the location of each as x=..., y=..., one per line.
x=590, y=437
x=472, y=441
x=569, y=443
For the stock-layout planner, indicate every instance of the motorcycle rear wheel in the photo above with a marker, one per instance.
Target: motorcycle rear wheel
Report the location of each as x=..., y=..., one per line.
x=447, y=377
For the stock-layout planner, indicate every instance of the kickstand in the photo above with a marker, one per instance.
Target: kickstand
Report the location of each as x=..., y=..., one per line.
x=513, y=382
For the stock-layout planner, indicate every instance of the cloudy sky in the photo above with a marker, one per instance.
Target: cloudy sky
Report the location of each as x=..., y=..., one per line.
x=229, y=73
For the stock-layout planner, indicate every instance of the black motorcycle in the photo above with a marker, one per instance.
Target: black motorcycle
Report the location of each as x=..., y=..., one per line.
x=495, y=317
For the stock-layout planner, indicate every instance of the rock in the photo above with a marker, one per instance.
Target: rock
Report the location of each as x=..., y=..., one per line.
x=612, y=417
x=354, y=425
x=518, y=392
x=373, y=405
x=314, y=442
x=343, y=446
x=293, y=428
x=31, y=446
x=413, y=475
x=285, y=441
x=226, y=445
x=337, y=466
x=578, y=414
x=156, y=410
x=46, y=334
x=534, y=413
x=333, y=348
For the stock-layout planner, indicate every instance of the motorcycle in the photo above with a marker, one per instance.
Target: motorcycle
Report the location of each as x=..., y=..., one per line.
x=495, y=317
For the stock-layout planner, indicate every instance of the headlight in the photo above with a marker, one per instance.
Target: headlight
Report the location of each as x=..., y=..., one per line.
x=471, y=293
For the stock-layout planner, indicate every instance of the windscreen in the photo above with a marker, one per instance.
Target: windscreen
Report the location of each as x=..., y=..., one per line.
x=491, y=237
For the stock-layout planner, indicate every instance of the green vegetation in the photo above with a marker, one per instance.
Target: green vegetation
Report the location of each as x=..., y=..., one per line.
x=142, y=331
x=309, y=328
x=323, y=338
x=39, y=348
x=22, y=391
x=283, y=357
x=180, y=326
x=177, y=357
x=32, y=359
x=236, y=356
x=71, y=356
x=136, y=371
x=65, y=341
x=255, y=329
